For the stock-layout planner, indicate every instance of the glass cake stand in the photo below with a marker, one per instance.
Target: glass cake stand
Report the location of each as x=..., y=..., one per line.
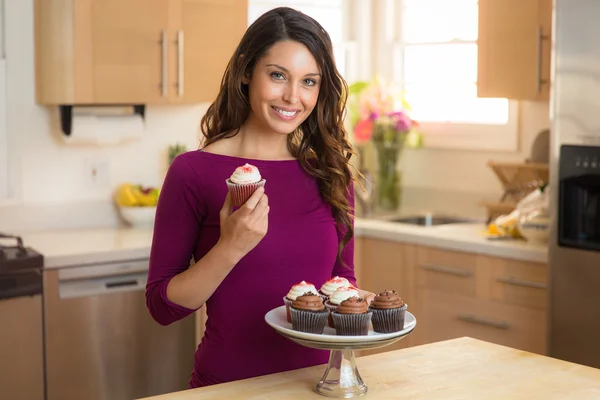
x=341, y=378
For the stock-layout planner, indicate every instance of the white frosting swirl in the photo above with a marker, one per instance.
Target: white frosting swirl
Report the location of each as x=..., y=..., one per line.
x=343, y=294
x=333, y=284
x=299, y=289
x=245, y=174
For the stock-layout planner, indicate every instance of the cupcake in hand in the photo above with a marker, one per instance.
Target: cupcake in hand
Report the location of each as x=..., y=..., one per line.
x=336, y=299
x=352, y=317
x=388, y=312
x=296, y=290
x=243, y=182
x=308, y=313
x=331, y=285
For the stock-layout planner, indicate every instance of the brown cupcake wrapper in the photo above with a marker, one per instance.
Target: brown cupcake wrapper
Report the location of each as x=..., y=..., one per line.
x=308, y=321
x=388, y=320
x=331, y=308
x=240, y=193
x=352, y=324
x=288, y=304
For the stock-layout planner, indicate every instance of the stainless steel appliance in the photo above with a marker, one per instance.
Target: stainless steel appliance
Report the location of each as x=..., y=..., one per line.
x=21, y=337
x=574, y=251
x=102, y=344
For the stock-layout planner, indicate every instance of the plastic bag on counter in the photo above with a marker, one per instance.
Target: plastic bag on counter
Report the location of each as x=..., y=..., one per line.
x=532, y=207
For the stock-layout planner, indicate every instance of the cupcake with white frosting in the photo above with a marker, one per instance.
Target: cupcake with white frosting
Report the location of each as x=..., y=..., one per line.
x=243, y=182
x=331, y=285
x=297, y=290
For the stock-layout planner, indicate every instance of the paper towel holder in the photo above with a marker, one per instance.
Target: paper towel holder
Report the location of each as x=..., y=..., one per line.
x=66, y=115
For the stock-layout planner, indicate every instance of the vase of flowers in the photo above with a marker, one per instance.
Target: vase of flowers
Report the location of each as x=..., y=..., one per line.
x=381, y=117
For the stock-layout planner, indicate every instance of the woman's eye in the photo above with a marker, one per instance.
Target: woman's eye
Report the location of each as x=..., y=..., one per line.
x=277, y=75
x=310, y=82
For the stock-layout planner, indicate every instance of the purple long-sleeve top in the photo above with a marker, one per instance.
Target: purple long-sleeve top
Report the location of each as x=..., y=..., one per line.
x=301, y=244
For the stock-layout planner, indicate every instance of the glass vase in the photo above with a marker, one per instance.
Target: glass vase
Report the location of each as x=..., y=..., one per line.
x=388, y=145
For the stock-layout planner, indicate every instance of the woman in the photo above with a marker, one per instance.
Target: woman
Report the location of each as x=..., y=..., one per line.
x=280, y=108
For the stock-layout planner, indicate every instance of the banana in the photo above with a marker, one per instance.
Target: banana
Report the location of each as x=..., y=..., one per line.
x=125, y=196
x=128, y=195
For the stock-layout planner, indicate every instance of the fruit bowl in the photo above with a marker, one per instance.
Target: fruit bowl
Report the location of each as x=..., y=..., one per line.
x=137, y=204
x=535, y=229
x=139, y=217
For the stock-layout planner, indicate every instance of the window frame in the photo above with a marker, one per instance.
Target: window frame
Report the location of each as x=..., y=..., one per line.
x=450, y=135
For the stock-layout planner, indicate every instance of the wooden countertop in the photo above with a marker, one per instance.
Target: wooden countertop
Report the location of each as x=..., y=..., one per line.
x=462, y=368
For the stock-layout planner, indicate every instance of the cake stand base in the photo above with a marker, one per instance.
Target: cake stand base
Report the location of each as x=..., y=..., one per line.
x=341, y=378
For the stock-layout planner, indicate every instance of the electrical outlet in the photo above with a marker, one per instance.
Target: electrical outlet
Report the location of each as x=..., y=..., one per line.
x=97, y=173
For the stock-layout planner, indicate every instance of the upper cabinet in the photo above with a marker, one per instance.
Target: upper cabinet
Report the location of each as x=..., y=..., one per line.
x=514, y=48
x=134, y=51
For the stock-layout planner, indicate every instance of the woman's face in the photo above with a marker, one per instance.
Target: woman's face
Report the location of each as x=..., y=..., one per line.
x=284, y=87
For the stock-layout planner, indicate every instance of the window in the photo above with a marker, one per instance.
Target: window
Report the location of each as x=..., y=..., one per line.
x=435, y=61
x=329, y=13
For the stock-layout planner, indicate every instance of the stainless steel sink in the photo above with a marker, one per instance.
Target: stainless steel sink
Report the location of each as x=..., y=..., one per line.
x=429, y=220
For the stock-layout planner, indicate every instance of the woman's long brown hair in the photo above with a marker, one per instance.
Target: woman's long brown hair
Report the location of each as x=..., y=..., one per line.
x=320, y=143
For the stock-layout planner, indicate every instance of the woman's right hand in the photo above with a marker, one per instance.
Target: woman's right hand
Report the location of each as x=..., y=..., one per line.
x=243, y=229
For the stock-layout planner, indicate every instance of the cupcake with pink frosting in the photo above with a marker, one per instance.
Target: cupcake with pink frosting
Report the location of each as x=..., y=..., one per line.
x=243, y=182
x=331, y=285
x=297, y=290
x=336, y=298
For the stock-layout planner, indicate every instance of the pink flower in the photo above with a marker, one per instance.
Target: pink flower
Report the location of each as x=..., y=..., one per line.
x=363, y=131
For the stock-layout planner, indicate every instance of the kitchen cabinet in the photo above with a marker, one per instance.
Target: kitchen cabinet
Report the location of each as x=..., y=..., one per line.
x=455, y=294
x=386, y=265
x=489, y=298
x=134, y=51
x=514, y=46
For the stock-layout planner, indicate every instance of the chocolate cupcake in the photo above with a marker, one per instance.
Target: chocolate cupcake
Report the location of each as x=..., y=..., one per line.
x=336, y=299
x=295, y=291
x=308, y=313
x=352, y=317
x=388, y=312
x=243, y=183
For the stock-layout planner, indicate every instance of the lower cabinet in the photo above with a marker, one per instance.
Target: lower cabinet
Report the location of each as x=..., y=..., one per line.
x=455, y=294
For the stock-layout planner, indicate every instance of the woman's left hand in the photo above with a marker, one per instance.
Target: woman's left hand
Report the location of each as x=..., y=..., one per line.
x=368, y=296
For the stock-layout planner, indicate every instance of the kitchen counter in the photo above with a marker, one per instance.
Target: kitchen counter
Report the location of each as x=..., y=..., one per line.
x=62, y=248
x=462, y=368
x=467, y=237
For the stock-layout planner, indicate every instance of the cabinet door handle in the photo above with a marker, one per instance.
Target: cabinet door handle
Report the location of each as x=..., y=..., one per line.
x=540, y=39
x=163, y=47
x=520, y=282
x=447, y=270
x=476, y=320
x=180, y=63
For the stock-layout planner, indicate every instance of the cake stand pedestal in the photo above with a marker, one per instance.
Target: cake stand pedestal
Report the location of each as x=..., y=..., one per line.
x=341, y=378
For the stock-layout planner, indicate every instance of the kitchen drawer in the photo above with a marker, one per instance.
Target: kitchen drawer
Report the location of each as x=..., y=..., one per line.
x=517, y=282
x=445, y=316
x=446, y=271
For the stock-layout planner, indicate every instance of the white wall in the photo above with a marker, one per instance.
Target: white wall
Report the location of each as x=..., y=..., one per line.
x=466, y=171
x=48, y=174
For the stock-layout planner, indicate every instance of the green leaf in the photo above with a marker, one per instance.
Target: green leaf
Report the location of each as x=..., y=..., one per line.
x=358, y=87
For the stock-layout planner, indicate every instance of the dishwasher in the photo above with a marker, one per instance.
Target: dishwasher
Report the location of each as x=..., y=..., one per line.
x=101, y=342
